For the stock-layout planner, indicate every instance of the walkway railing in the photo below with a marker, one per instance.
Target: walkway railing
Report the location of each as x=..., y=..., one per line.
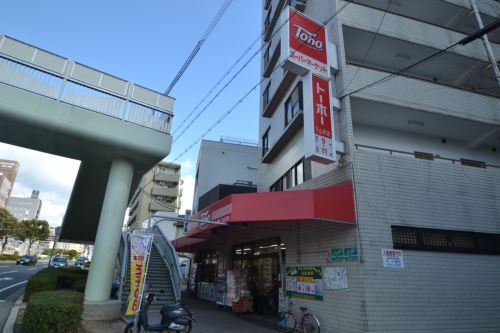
x=427, y=156
x=30, y=68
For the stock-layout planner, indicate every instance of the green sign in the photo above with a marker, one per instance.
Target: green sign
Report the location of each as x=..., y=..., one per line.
x=337, y=254
x=351, y=253
x=304, y=282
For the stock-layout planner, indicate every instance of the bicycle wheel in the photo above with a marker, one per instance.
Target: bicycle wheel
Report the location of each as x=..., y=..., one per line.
x=311, y=324
x=285, y=322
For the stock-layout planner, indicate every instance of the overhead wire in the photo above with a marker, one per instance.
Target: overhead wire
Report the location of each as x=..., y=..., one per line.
x=230, y=110
x=198, y=46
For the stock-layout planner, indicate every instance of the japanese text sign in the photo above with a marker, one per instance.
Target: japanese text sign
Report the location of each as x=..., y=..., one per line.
x=304, y=282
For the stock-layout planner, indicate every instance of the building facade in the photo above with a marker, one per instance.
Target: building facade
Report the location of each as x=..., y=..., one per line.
x=414, y=181
x=159, y=191
x=24, y=208
x=9, y=169
x=228, y=162
x=5, y=189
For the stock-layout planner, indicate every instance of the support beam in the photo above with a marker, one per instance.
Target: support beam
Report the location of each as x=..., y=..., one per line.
x=107, y=241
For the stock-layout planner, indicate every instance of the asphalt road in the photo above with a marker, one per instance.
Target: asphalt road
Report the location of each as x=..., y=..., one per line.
x=13, y=279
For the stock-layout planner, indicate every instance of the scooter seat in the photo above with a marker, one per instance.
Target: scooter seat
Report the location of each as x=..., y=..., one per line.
x=169, y=307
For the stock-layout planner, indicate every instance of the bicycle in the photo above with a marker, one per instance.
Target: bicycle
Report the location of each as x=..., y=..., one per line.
x=287, y=322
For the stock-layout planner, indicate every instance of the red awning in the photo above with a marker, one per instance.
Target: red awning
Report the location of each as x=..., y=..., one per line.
x=334, y=203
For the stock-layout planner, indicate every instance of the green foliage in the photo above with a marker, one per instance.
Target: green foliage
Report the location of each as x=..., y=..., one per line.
x=9, y=256
x=72, y=254
x=32, y=230
x=54, y=312
x=87, y=264
x=8, y=225
x=49, y=279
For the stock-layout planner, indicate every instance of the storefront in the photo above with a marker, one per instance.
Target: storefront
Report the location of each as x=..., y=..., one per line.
x=244, y=264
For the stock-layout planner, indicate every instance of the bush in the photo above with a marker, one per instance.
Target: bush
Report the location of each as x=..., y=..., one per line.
x=53, y=312
x=49, y=279
x=9, y=256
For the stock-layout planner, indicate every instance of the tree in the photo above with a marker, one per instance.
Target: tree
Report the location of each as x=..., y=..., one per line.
x=72, y=254
x=33, y=230
x=8, y=225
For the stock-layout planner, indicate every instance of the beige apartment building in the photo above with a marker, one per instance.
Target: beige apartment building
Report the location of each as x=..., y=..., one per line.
x=158, y=191
x=8, y=174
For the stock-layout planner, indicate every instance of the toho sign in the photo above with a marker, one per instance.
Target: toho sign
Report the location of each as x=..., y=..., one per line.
x=319, y=137
x=304, y=45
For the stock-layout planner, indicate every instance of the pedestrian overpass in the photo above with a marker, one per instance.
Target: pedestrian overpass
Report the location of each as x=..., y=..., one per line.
x=117, y=129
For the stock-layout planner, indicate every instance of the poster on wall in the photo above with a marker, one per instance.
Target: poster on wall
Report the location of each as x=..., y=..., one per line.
x=335, y=278
x=304, y=282
x=393, y=258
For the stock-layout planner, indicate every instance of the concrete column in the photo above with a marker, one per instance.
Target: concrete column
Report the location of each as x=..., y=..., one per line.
x=107, y=241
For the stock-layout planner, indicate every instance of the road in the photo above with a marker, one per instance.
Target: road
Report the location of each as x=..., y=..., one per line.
x=13, y=279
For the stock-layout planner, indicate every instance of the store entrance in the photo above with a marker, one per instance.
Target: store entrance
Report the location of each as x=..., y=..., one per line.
x=260, y=264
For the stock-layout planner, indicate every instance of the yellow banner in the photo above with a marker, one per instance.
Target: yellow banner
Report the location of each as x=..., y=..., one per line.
x=139, y=245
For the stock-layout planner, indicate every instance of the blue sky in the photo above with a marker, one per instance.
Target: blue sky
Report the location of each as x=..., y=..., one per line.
x=145, y=42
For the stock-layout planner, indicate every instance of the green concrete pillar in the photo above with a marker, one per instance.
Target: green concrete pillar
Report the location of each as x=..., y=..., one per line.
x=108, y=236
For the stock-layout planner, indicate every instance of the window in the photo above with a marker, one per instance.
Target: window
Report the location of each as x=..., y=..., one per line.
x=267, y=22
x=265, y=96
x=266, y=55
x=162, y=169
x=265, y=142
x=425, y=239
x=293, y=177
x=163, y=183
x=293, y=104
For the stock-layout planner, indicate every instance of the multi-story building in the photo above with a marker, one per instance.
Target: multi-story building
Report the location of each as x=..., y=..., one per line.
x=159, y=191
x=228, y=162
x=25, y=208
x=412, y=172
x=5, y=188
x=9, y=169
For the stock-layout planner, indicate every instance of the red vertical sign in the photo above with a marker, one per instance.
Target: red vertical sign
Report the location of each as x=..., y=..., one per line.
x=322, y=122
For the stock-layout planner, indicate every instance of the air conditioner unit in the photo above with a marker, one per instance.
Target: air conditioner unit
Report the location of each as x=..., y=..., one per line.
x=299, y=5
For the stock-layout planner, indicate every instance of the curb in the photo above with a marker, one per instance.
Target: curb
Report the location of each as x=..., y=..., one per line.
x=11, y=320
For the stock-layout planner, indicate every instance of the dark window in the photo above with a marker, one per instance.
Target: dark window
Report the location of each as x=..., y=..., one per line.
x=265, y=96
x=293, y=104
x=425, y=239
x=267, y=22
x=265, y=142
x=293, y=177
x=266, y=55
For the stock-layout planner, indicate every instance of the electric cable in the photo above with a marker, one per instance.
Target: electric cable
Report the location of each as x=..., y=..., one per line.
x=198, y=46
x=479, y=33
x=230, y=110
x=374, y=37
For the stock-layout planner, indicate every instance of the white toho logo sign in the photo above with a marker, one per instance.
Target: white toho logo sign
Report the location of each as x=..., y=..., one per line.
x=308, y=38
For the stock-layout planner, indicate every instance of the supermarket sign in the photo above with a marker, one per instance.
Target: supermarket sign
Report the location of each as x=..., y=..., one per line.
x=305, y=46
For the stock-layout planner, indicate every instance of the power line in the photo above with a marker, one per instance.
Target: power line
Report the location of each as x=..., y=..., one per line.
x=231, y=80
x=464, y=41
x=369, y=47
x=198, y=46
x=228, y=112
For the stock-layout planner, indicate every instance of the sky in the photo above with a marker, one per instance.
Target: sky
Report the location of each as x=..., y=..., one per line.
x=145, y=42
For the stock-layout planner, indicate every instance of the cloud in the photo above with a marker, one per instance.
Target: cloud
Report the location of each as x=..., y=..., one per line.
x=187, y=193
x=186, y=165
x=52, y=175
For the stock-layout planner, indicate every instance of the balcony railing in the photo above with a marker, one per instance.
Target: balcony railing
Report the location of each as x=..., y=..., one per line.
x=38, y=71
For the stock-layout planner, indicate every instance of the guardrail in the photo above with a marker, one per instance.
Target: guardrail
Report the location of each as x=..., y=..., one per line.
x=167, y=252
x=30, y=68
x=427, y=156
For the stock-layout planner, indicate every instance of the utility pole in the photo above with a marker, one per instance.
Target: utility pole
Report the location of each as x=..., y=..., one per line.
x=486, y=42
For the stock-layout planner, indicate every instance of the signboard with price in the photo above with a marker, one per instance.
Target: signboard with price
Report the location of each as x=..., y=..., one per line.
x=319, y=140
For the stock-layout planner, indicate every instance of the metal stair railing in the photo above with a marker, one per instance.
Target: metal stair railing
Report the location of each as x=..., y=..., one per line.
x=167, y=252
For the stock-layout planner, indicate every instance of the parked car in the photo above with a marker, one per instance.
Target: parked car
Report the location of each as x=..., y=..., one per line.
x=26, y=260
x=59, y=262
x=80, y=261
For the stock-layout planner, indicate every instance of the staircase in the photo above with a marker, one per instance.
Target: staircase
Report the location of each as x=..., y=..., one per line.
x=162, y=275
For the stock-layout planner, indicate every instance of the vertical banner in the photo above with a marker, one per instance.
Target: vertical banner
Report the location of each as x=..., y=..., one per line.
x=319, y=138
x=139, y=247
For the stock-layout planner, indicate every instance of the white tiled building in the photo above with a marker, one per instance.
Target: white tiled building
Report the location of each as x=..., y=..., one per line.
x=421, y=151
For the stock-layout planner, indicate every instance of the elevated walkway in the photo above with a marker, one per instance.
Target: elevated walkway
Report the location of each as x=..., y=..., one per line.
x=54, y=105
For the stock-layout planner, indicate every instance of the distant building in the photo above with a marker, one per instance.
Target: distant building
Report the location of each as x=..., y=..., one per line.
x=224, y=162
x=5, y=188
x=24, y=208
x=9, y=169
x=158, y=191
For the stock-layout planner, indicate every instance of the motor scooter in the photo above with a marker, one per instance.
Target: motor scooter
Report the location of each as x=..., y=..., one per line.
x=174, y=318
